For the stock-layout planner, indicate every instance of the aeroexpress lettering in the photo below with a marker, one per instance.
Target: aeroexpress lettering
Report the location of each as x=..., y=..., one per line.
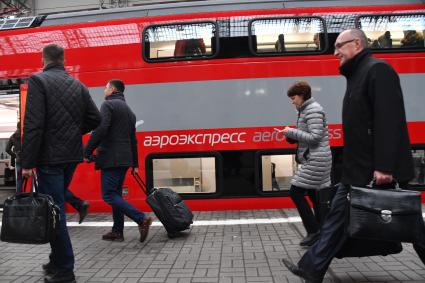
x=210, y=139
x=221, y=138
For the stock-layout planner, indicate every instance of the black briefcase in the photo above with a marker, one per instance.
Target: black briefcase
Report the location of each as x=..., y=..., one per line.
x=364, y=247
x=29, y=218
x=385, y=214
x=354, y=247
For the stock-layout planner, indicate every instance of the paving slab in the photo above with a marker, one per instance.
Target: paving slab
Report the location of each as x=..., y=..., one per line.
x=221, y=246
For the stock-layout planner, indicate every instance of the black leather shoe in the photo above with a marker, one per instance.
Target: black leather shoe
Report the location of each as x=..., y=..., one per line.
x=310, y=239
x=301, y=273
x=49, y=268
x=83, y=210
x=60, y=277
x=113, y=236
x=144, y=228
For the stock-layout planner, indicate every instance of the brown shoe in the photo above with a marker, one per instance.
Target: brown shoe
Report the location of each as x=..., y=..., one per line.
x=113, y=236
x=144, y=228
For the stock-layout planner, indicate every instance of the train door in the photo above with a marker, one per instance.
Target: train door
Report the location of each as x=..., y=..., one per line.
x=10, y=91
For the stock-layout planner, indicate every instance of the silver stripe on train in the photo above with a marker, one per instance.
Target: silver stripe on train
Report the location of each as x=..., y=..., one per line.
x=244, y=102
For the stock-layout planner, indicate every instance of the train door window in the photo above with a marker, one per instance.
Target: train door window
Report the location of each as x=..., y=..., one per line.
x=179, y=41
x=401, y=32
x=9, y=113
x=183, y=173
x=419, y=165
x=288, y=35
x=276, y=172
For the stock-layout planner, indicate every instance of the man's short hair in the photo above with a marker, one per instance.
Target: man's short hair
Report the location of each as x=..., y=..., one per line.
x=358, y=33
x=301, y=88
x=118, y=84
x=53, y=53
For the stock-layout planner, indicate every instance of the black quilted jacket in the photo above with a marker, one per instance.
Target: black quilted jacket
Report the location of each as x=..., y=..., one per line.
x=59, y=110
x=115, y=138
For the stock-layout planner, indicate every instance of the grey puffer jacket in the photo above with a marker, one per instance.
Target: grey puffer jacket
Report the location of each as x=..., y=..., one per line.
x=313, y=152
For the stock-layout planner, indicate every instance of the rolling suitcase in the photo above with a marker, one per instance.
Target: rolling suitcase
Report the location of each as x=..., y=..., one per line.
x=169, y=207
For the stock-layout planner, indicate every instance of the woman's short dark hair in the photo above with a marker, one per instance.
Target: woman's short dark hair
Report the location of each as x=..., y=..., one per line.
x=118, y=84
x=301, y=88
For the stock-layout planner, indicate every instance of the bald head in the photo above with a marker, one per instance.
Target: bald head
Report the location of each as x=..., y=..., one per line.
x=357, y=33
x=349, y=43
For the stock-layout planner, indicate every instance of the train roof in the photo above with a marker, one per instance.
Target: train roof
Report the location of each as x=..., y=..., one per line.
x=198, y=6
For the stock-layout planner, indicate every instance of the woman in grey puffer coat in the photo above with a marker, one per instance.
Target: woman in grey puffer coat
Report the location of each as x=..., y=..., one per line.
x=313, y=156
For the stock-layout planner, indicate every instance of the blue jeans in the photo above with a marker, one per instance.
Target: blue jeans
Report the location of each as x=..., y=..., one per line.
x=112, y=180
x=54, y=180
x=74, y=201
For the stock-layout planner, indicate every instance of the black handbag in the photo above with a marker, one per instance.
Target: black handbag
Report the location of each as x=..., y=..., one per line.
x=29, y=218
x=385, y=214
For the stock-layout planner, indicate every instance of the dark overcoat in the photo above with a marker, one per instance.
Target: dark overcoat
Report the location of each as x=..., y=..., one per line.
x=374, y=122
x=115, y=138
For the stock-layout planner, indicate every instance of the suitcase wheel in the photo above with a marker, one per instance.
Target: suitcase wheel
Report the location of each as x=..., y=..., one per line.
x=173, y=235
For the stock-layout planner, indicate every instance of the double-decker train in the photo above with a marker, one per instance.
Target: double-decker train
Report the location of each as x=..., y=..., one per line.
x=207, y=81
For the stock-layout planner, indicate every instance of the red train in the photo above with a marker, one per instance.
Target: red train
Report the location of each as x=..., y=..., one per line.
x=207, y=81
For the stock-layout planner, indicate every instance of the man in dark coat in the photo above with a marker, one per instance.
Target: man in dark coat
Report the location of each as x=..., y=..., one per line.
x=376, y=144
x=13, y=148
x=116, y=143
x=59, y=110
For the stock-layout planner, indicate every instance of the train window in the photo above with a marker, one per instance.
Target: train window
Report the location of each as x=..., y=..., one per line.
x=288, y=35
x=277, y=171
x=185, y=175
x=386, y=32
x=179, y=41
x=419, y=165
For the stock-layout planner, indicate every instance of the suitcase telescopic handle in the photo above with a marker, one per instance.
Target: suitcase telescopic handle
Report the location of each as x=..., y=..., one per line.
x=140, y=182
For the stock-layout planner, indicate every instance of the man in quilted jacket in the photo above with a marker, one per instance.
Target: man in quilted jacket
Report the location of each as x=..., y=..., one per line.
x=59, y=110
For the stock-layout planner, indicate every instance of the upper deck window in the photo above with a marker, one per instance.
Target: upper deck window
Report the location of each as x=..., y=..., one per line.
x=386, y=32
x=288, y=35
x=179, y=41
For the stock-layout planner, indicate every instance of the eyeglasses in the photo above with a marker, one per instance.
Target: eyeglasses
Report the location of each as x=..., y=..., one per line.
x=341, y=44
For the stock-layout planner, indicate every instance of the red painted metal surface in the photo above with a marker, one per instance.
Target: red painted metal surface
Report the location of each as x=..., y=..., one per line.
x=114, y=46
x=86, y=182
x=99, y=51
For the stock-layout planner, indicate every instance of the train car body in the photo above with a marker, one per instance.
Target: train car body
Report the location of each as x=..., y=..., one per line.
x=207, y=81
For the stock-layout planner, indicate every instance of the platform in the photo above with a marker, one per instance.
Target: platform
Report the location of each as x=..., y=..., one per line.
x=222, y=246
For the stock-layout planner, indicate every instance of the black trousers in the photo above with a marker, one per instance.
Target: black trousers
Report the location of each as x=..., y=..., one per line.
x=310, y=220
x=333, y=236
